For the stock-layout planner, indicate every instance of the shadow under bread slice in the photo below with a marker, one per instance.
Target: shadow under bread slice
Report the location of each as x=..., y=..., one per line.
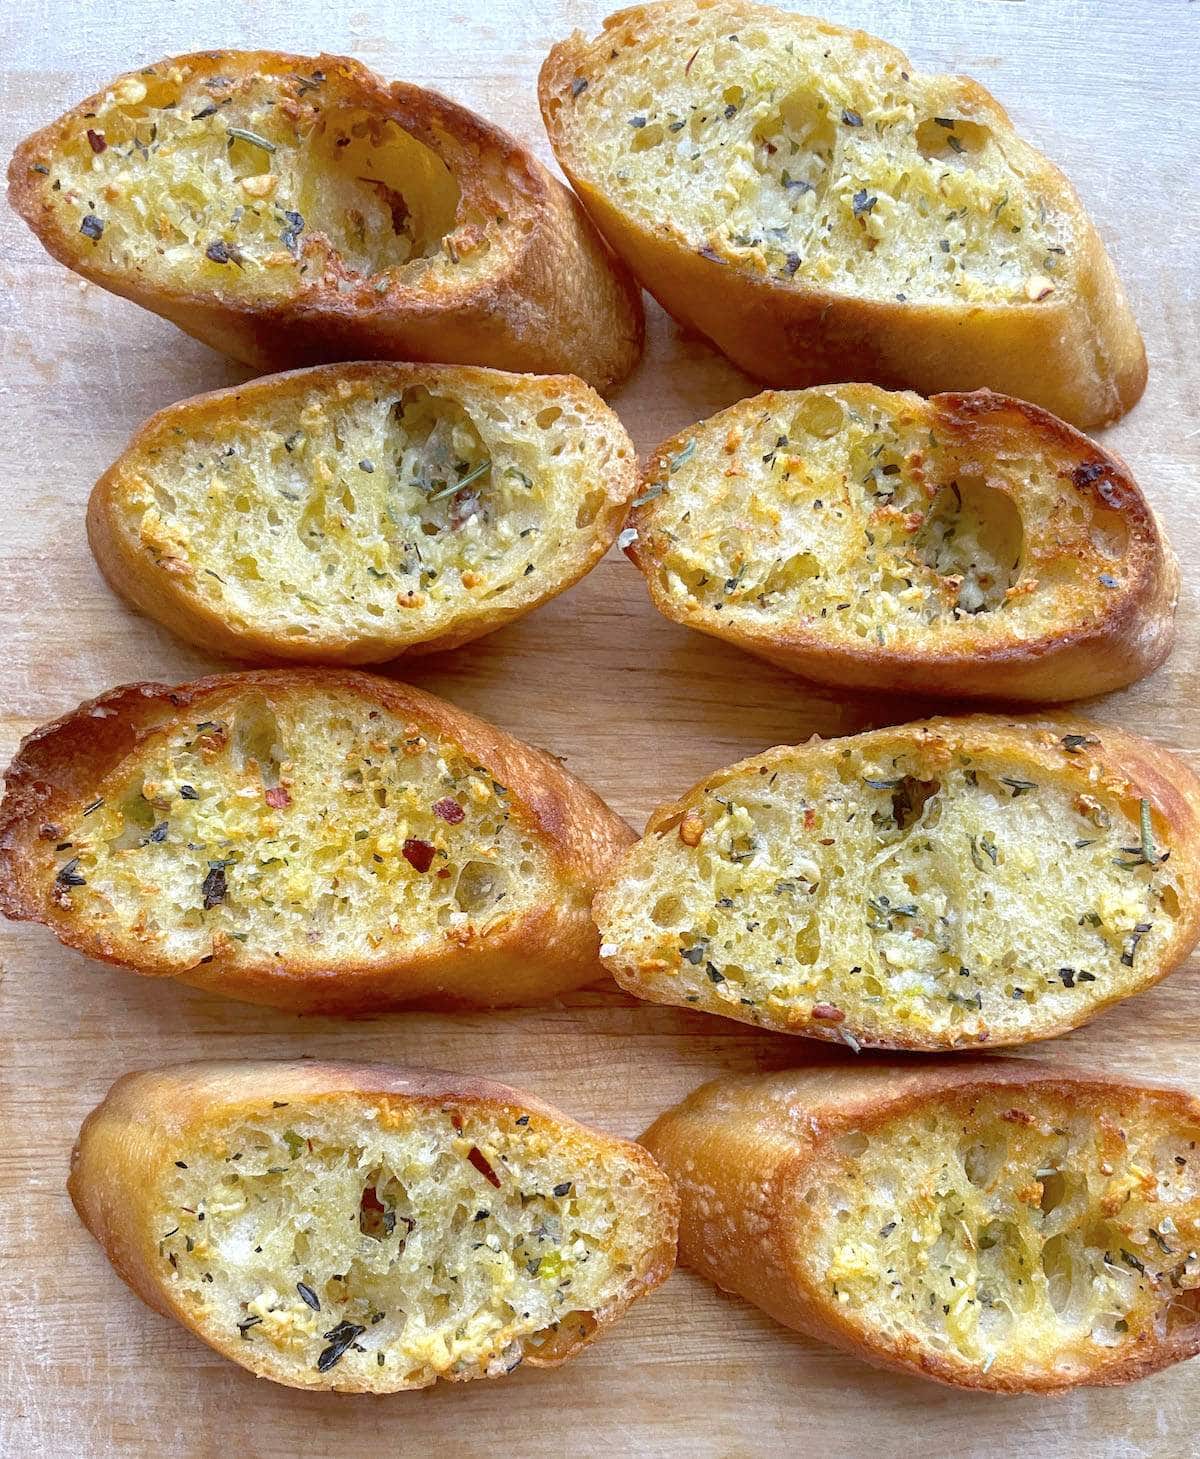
x=934, y=885
x=353, y=513
x=964, y=546
x=308, y=839
x=369, y=1229
x=1002, y=1225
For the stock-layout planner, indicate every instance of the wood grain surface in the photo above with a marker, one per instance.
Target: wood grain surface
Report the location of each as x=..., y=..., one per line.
x=639, y=707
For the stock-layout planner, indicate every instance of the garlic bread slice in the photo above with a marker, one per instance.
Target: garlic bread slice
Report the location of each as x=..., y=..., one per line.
x=965, y=546
x=367, y=1229
x=995, y=1224
x=353, y=513
x=290, y=210
x=821, y=210
x=310, y=840
x=935, y=885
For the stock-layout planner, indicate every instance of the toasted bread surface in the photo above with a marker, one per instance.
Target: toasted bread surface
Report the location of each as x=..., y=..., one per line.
x=307, y=839
x=992, y=1224
x=290, y=210
x=364, y=1228
x=935, y=885
x=968, y=545
x=351, y=513
x=800, y=194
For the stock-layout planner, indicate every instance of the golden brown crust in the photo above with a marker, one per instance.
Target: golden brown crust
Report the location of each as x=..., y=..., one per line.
x=147, y=1118
x=1082, y=358
x=1109, y=760
x=550, y=949
x=555, y=301
x=1109, y=650
x=742, y=1150
x=131, y=572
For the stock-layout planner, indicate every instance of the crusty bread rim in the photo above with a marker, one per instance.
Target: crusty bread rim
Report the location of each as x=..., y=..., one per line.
x=476, y=153
x=890, y=1090
x=166, y=600
x=1131, y=640
x=56, y=765
x=1130, y=766
x=202, y=1088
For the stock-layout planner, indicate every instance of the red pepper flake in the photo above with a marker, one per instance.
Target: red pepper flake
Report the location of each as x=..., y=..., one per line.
x=810, y=818
x=1017, y=1117
x=480, y=1162
x=827, y=1013
x=691, y=58
x=96, y=140
x=418, y=854
x=449, y=810
x=456, y=1121
x=278, y=797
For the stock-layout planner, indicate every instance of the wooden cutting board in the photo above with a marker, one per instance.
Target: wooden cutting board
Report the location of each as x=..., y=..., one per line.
x=640, y=708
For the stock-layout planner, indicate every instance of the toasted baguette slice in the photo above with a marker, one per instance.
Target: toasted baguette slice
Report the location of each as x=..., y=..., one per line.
x=925, y=886
x=823, y=211
x=289, y=210
x=318, y=515
x=992, y=1224
x=308, y=840
x=968, y=545
x=365, y=1229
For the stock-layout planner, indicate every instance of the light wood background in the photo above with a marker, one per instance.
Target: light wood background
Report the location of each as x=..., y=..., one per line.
x=638, y=706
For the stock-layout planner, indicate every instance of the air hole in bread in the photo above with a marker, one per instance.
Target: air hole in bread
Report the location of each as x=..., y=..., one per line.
x=590, y=508
x=793, y=150
x=400, y=184
x=817, y=414
x=1109, y=534
x=480, y=886
x=910, y=799
x=646, y=137
x=435, y=443
x=256, y=740
x=951, y=139
x=973, y=532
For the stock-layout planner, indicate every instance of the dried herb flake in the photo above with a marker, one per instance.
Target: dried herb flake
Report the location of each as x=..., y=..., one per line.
x=252, y=137
x=340, y=1339
x=214, y=886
